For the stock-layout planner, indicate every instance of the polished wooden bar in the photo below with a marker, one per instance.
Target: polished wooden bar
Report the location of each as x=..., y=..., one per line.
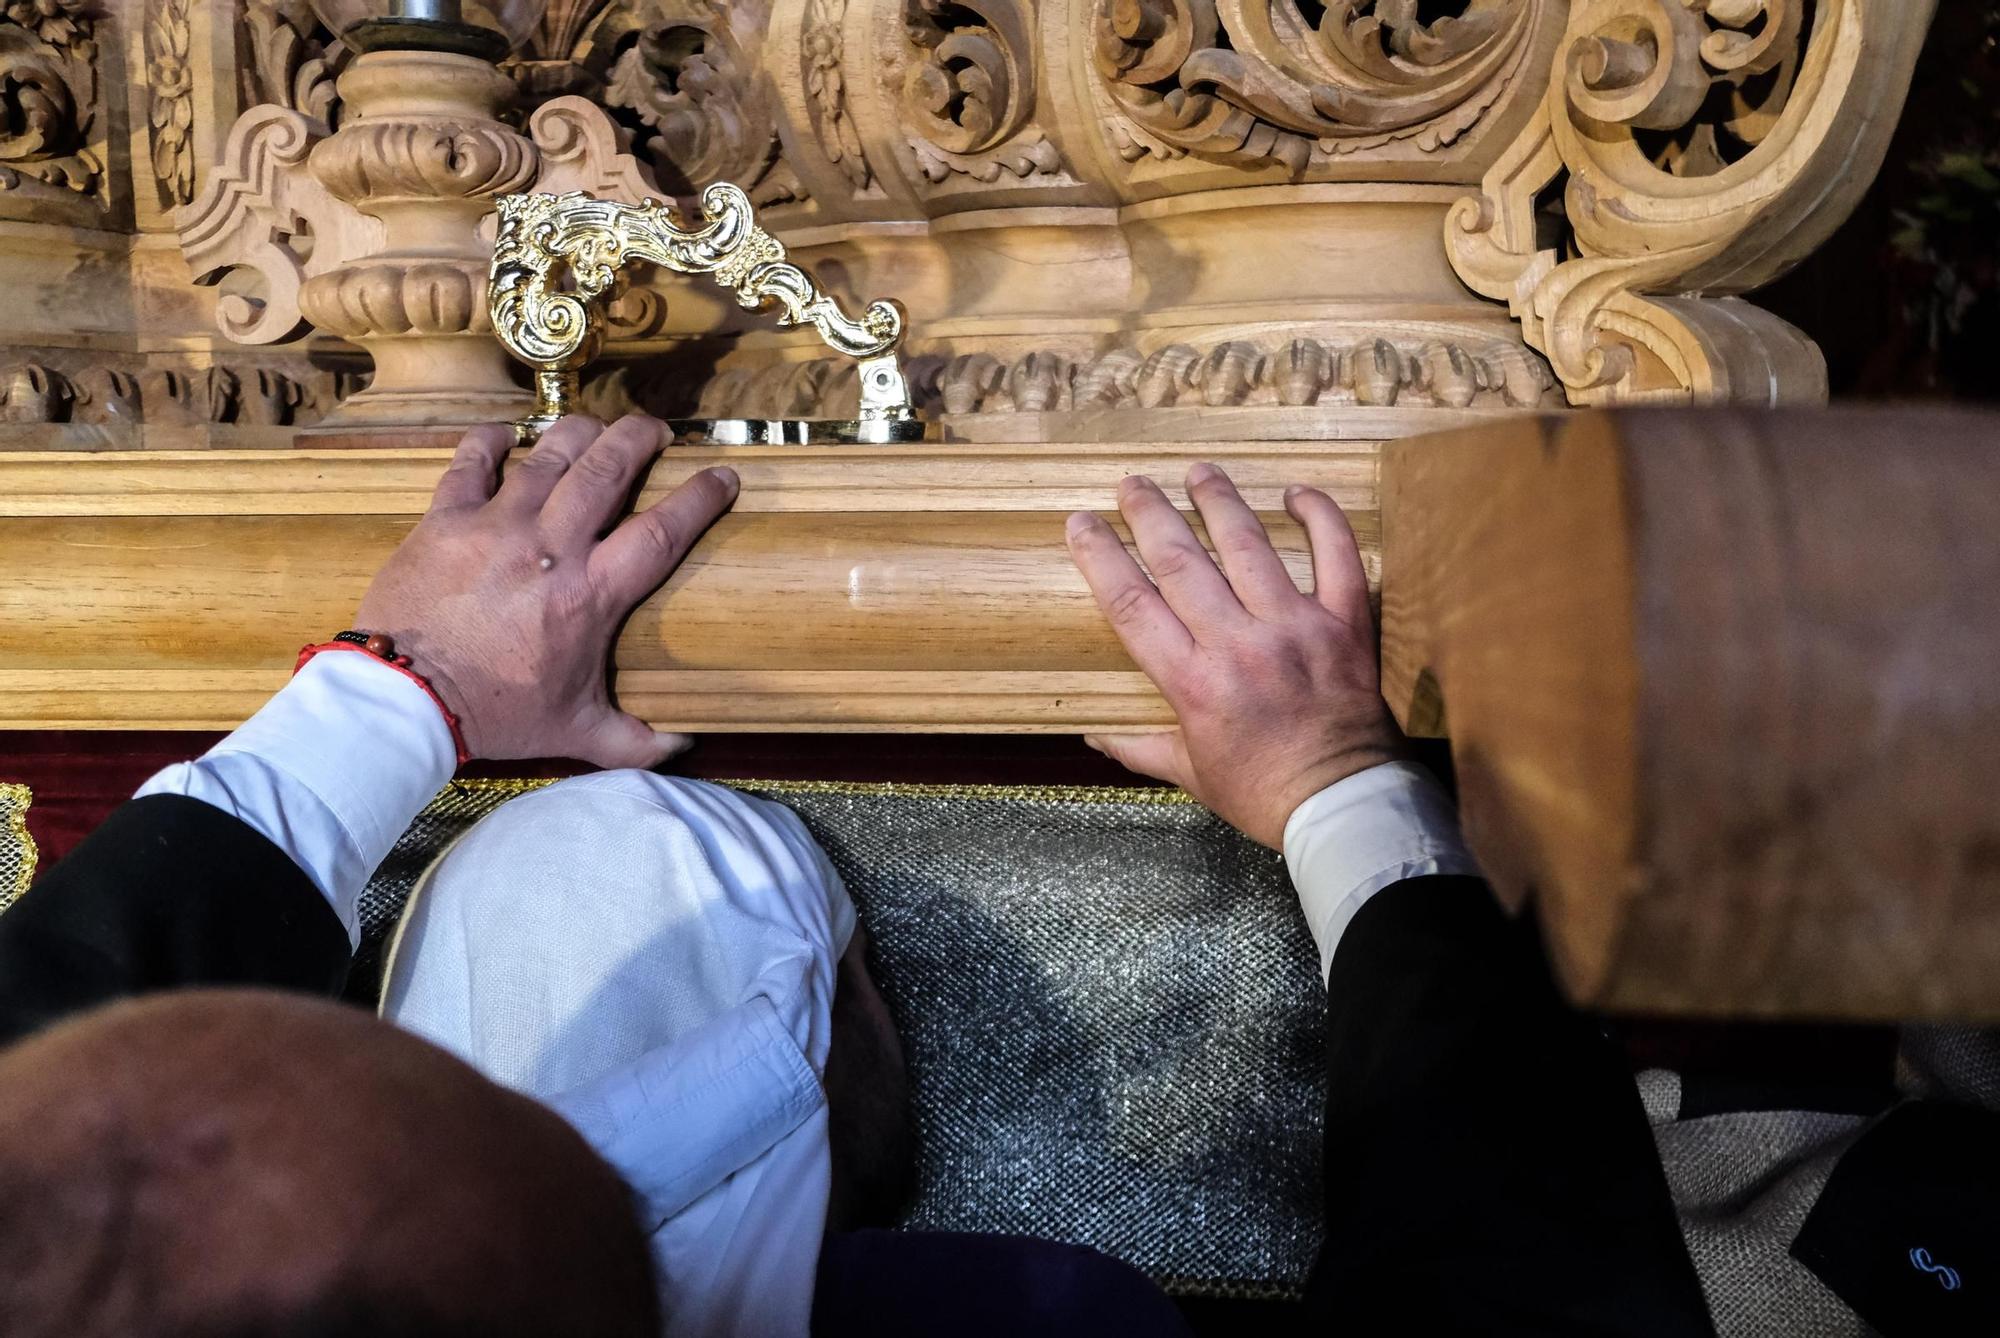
x=918, y=588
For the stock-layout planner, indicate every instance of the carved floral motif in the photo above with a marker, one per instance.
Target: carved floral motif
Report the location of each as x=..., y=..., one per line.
x=170, y=98
x=1258, y=81
x=1382, y=370
x=826, y=86
x=562, y=26
x=63, y=24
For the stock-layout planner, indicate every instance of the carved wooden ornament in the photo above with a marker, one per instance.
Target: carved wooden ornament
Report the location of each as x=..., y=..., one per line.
x=1709, y=145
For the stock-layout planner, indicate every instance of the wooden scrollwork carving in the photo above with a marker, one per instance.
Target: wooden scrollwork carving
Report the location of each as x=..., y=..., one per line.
x=50, y=132
x=1708, y=146
x=970, y=90
x=1250, y=81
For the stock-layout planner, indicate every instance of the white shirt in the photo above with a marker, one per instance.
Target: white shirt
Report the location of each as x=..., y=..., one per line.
x=337, y=764
x=654, y=957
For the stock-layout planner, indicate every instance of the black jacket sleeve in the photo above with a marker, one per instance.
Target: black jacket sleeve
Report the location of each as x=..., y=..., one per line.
x=168, y=892
x=1489, y=1168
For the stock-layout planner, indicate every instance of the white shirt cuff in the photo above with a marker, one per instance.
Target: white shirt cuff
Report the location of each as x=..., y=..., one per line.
x=1359, y=835
x=332, y=770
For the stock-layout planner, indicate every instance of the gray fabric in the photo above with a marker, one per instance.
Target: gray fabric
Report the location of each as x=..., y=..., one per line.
x=1110, y=1008
x=1950, y=1064
x=1743, y=1184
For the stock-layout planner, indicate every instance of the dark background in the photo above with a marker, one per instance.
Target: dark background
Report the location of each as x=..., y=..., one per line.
x=1905, y=298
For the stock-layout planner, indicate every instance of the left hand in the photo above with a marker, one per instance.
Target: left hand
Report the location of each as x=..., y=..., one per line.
x=508, y=593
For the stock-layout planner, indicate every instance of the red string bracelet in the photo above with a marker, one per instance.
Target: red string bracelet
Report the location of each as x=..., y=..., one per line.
x=383, y=648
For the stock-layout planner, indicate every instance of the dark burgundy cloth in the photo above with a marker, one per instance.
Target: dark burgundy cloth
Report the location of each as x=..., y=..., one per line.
x=79, y=776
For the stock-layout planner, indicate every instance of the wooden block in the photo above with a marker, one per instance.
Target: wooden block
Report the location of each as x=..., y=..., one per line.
x=1723, y=696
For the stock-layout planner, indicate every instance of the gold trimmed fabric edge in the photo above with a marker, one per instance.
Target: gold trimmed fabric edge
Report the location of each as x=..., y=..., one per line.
x=18, y=798
x=1048, y=794
x=508, y=786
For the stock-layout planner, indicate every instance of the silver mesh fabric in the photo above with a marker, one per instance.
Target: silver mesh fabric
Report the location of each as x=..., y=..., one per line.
x=1109, y=1004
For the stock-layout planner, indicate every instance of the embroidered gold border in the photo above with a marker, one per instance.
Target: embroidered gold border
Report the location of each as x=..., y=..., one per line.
x=1046, y=794
x=15, y=800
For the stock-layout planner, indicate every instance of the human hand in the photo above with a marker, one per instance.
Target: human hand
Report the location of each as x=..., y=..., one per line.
x=507, y=599
x=1278, y=693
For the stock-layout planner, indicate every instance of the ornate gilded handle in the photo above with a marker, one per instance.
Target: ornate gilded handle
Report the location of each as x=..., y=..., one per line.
x=556, y=257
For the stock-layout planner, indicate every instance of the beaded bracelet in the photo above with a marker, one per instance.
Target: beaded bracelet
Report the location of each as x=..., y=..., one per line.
x=383, y=647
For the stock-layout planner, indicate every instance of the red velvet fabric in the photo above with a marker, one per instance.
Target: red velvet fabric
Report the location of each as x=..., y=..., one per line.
x=79, y=776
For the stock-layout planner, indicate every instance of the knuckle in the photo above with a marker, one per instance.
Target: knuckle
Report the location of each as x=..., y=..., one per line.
x=599, y=467
x=661, y=535
x=1127, y=604
x=541, y=463
x=461, y=473
x=1247, y=542
x=1176, y=561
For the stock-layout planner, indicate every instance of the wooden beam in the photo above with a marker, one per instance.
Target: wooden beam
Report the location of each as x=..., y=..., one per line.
x=918, y=588
x=1724, y=695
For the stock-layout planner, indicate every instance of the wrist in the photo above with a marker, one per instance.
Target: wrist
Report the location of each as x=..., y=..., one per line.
x=1326, y=772
x=1361, y=834
x=381, y=648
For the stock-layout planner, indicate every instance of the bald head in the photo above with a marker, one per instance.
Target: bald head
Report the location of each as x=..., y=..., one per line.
x=245, y=1162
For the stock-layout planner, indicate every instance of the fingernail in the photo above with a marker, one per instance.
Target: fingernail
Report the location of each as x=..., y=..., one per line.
x=1092, y=742
x=1202, y=472
x=727, y=478
x=1079, y=522
x=1293, y=490
x=1132, y=481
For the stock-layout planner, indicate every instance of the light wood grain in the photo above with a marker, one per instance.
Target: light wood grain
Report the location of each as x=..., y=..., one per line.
x=893, y=588
x=1031, y=476
x=1722, y=697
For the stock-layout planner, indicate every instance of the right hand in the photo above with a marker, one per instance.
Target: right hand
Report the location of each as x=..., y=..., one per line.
x=508, y=593
x=1278, y=692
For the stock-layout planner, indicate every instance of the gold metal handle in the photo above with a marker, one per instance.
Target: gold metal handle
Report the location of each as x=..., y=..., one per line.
x=557, y=257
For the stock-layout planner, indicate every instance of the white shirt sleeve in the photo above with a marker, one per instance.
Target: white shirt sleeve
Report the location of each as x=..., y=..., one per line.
x=332, y=770
x=1359, y=835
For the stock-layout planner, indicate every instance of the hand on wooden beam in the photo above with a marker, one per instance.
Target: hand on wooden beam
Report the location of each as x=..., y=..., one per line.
x=1277, y=692
x=508, y=593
